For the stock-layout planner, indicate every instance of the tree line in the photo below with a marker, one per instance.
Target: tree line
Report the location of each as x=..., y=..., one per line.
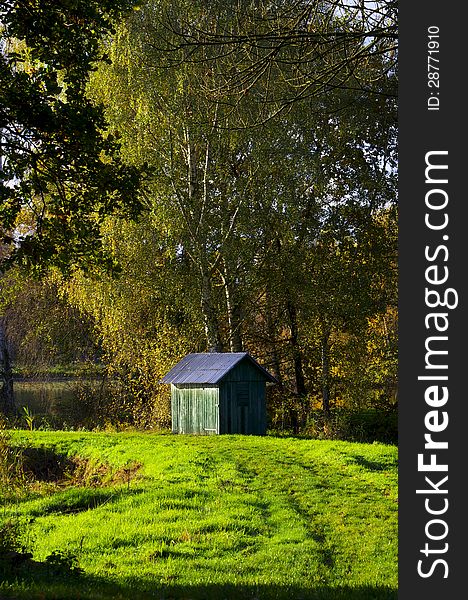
x=227, y=184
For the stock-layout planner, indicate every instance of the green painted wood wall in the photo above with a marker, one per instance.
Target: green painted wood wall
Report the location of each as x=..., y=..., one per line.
x=195, y=409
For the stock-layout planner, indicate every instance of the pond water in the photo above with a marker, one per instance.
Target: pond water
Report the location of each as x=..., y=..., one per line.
x=60, y=402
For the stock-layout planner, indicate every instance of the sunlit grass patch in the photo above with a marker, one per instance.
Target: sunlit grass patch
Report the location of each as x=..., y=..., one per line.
x=229, y=516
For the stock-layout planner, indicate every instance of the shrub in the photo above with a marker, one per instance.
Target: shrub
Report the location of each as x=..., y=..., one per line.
x=14, y=542
x=12, y=478
x=367, y=425
x=62, y=562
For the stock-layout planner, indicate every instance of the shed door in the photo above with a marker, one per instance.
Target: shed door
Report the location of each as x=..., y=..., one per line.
x=210, y=411
x=243, y=412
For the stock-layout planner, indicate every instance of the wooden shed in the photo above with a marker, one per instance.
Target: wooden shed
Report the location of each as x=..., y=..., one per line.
x=218, y=392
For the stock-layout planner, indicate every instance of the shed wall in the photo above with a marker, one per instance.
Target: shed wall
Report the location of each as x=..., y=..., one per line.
x=242, y=401
x=244, y=371
x=243, y=407
x=195, y=409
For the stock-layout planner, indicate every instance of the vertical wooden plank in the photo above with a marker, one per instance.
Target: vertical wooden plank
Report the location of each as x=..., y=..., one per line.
x=222, y=408
x=261, y=408
x=211, y=401
x=174, y=409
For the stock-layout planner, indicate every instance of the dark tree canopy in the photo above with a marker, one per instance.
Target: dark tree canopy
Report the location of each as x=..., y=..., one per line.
x=60, y=174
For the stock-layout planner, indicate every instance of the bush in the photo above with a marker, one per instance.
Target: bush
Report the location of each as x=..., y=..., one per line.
x=16, y=561
x=287, y=412
x=367, y=425
x=14, y=542
x=13, y=534
x=61, y=562
x=12, y=478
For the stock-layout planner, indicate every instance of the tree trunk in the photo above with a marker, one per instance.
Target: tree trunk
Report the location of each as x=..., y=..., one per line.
x=234, y=315
x=7, y=399
x=194, y=218
x=234, y=319
x=210, y=317
x=325, y=349
x=299, y=379
x=272, y=337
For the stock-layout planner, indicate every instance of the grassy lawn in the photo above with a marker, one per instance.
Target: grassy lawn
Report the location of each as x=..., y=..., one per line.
x=228, y=517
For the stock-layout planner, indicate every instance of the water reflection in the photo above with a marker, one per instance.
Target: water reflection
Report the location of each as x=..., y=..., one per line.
x=61, y=402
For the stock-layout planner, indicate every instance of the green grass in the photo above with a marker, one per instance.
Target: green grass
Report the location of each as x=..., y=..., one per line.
x=228, y=517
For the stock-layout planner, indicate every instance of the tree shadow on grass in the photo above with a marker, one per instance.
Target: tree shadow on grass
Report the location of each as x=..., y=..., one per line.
x=74, y=501
x=40, y=584
x=370, y=465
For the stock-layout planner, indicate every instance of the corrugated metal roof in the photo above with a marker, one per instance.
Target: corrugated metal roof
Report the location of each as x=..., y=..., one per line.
x=208, y=367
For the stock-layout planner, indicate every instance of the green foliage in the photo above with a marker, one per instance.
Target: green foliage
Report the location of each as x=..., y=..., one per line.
x=28, y=417
x=43, y=329
x=279, y=229
x=259, y=57
x=356, y=425
x=12, y=537
x=225, y=517
x=60, y=172
x=145, y=320
x=61, y=562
